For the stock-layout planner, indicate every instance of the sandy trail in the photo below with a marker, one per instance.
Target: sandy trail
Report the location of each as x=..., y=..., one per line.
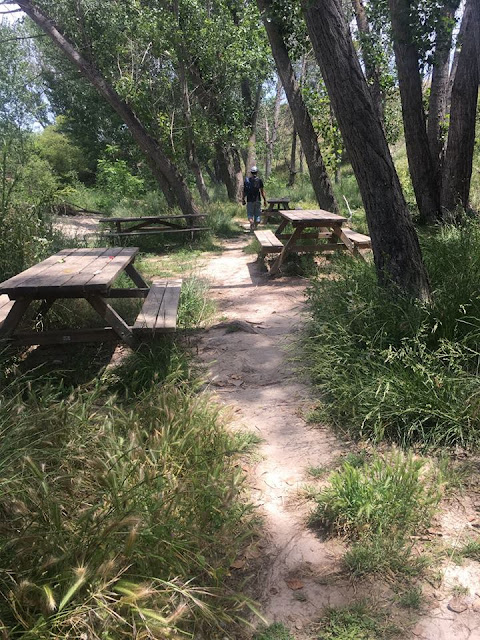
x=247, y=357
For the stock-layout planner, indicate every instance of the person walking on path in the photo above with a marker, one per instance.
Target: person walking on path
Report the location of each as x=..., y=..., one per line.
x=252, y=191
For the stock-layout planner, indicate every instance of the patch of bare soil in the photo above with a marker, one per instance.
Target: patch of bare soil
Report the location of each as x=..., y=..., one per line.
x=248, y=356
x=79, y=227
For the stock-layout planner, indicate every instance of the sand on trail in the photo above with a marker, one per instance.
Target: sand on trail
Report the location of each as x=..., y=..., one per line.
x=249, y=358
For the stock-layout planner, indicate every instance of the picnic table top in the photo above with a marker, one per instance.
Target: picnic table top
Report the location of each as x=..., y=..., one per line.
x=73, y=271
x=154, y=218
x=275, y=200
x=312, y=216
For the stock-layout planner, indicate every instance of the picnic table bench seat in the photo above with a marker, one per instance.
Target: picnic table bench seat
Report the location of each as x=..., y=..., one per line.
x=268, y=241
x=5, y=305
x=148, y=231
x=159, y=310
x=355, y=240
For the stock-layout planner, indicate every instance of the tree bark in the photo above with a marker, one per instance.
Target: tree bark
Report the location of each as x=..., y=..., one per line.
x=301, y=118
x=293, y=160
x=420, y=161
x=230, y=170
x=371, y=71
x=437, y=108
x=461, y=133
x=189, y=140
x=161, y=166
x=252, y=108
x=396, y=250
x=272, y=139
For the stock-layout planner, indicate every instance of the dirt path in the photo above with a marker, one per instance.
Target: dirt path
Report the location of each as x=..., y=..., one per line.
x=247, y=355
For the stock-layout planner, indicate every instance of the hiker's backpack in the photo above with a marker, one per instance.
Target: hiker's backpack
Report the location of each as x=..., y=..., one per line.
x=252, y=187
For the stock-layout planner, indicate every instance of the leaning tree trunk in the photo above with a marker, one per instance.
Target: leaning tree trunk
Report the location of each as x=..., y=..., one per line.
x=461, y=133
x=420, y=161
x=301, y=118
x=371, y=70
x=437, y=107
x=396, y=250
x=161, y=166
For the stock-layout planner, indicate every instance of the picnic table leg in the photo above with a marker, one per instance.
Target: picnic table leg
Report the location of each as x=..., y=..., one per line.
x=135, y=276
x=281, y=227
x=286, y=250
x=338, y=233
x=112, y=318
x=14, y=316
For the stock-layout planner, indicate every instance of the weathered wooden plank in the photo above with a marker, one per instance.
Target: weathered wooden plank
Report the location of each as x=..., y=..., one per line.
x=154, y=218
x=112, y=318
x=156, y=230
x=34, y=271
x=110, y=270
x=159, y=311
x=134, y=276
x=147, y=317
x=167, y=315
x=359, y=239
x=13, y=317
x=268, y=240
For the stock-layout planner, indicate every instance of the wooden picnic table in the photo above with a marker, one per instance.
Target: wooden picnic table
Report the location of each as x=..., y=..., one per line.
x=146, y=225
x=89, y=274
x=274, y=206
x=323, y=230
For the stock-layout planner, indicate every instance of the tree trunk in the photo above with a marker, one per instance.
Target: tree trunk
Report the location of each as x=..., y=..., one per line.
x=461, y=132
x=437, y=108
x=453, y=70
x=293, y=160
x=301, y=118
x=420, y=161
x=273, y=138
x=396, y=250
x=231, y=171
x=161, y=166
x=371, y=71
x=252, y=107
x=189, y=140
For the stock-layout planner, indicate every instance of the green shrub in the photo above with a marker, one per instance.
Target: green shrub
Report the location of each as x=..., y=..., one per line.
x=360, y=621
x=386, y=496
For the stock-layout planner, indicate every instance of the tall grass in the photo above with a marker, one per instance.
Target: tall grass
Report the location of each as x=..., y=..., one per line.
x=122, y=504
x=389, y=367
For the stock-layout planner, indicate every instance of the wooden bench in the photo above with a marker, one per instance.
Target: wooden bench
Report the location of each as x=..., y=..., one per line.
x=358, y=243
x=147, y=225
x=269, y=242
x=150, y=231
x=159, y=310
x=5, y=305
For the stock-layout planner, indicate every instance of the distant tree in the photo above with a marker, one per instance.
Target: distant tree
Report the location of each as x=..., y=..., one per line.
x=169, y=178
x=66, y=159
x=301, y=118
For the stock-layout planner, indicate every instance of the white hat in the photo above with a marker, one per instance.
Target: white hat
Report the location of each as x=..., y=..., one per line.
x=254, y=170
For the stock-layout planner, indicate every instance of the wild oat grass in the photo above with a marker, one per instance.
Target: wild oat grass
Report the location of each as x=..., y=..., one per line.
x=116, y=516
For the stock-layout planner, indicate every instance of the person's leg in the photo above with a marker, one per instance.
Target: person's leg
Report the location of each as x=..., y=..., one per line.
x=251, y=214
x=257, y=213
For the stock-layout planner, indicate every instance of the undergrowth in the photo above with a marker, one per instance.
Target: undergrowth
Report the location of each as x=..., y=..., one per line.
x=392, y=368
x=378, y=505
x=121, y=502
